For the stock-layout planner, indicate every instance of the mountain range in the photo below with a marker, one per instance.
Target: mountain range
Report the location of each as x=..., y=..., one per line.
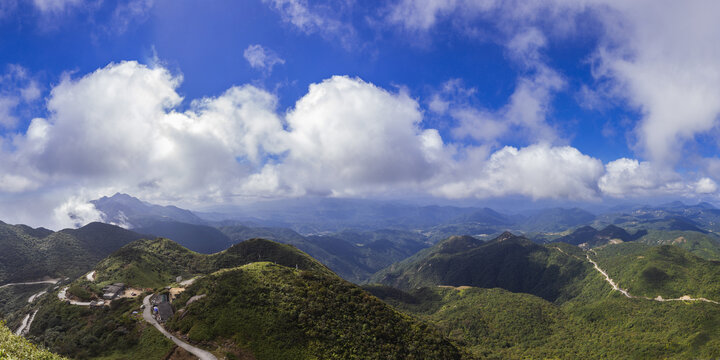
x=472, y=283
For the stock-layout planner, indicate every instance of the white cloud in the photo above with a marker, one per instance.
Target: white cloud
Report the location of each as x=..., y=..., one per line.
x=55, y=6
x=261, y=58
x=7, y=106
x=128, y=12
x=119, y=129
x=527, y=110
x=346, y=135
x=629, y=177
x=322, y=20
x=421, y=15
x=661, y=56
x=537, y=171
x=17, y=88
x=706, y=186
x=15, y=183
x=76, y=212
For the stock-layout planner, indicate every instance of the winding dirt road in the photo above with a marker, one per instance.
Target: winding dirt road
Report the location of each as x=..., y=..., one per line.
x=62, y=295
x=610, y=281
x=25, y=326
x=616, y=286
x=51, y=281
x=35, y=296
x=147, y=315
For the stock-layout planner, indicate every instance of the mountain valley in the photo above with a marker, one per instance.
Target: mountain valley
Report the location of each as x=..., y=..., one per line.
x=541, y=293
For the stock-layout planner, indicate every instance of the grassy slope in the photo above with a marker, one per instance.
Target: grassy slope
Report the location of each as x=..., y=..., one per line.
x=665, y=270
x=706, y=246
x=14, y=298
x=340, y=251
x=494, y=323
x=512, y=263
x=113, y=332
x=29, y=254
x=279, y=312
x=110, y=332
x=16, y=347
x=156, y=263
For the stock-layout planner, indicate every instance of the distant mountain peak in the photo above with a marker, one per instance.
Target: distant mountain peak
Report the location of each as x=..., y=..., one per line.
x=132, y=212
x=505, y=236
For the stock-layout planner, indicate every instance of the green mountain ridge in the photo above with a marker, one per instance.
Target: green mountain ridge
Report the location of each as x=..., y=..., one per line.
x=668, y=271
x=600, y=324
x=68, y=253
x=263, y=298
x=510, y=262
x=278, y=312
x=157, y=262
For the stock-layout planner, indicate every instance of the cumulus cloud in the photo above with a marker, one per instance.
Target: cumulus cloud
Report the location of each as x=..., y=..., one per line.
x=346, y=133
x=536, y=171
x=119, y=128
x=260, y=58
x=632, y=177
x=706, y=186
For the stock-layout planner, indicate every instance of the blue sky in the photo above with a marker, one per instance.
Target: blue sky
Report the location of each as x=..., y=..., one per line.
x=222, y=102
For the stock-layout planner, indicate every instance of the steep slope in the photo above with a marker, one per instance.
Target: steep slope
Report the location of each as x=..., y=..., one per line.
x=668, y=271
x=354, y=255
x=509, y=262
x=490, y=323
x=116, y=331
x=496, y=324
x=277, y=312
x=16, y=347
x=127, y=210
x=156, y=263
x=706, y=246
x=25, y=257
x=83, y=332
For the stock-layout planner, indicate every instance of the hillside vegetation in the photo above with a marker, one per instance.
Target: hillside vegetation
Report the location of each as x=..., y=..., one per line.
x=16, y=347
x=354, y=255
x=509, y=262
x=664, y=270
x=278, y=312
x=704, y=245
x=113, y=332
x=600, y=324
x=29, y=254
x=156, y=263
